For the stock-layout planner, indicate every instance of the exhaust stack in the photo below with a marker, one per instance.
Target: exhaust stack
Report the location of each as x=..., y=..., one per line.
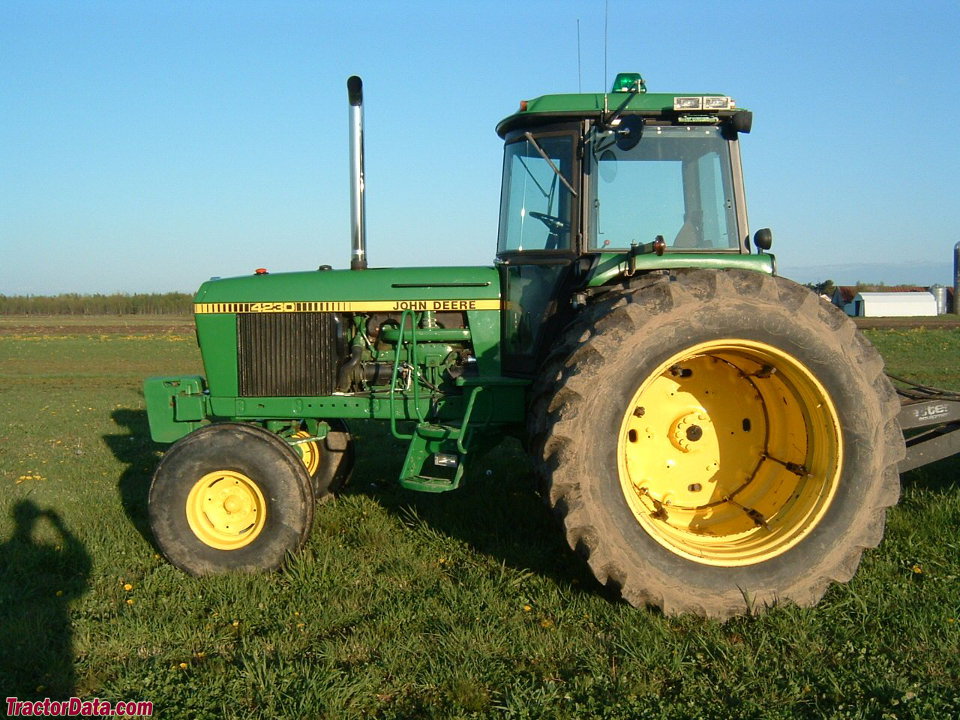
x=358, y=211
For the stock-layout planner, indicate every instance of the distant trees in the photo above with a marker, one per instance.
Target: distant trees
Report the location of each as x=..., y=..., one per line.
x=115, y=304
x=825, y=287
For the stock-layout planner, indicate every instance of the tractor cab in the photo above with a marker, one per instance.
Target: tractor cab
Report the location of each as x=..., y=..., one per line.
x=615, y=180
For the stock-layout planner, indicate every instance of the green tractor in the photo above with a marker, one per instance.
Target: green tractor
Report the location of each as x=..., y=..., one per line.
x=714, y=438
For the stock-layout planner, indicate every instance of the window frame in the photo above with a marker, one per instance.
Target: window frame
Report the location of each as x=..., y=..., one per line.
x=575, y=132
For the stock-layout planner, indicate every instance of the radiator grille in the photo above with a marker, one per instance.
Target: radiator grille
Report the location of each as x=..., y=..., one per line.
x=286, y=354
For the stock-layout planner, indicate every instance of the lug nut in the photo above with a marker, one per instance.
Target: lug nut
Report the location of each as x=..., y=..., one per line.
x=694, y=433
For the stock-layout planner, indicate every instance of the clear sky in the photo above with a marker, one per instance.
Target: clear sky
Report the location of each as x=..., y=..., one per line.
x=145, y=146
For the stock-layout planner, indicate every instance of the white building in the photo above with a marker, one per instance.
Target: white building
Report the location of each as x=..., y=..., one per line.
x=892, y=304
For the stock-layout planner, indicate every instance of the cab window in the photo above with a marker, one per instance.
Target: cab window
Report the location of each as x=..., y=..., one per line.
x=536, y=203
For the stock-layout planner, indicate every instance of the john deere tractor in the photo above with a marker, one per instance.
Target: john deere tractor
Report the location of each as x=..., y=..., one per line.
x=713, y=437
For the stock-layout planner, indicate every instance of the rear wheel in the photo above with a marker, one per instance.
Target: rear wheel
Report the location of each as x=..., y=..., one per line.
x=230, y=496
x=720, y=442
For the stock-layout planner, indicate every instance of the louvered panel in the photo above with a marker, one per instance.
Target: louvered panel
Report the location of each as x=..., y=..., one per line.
x=286, y=354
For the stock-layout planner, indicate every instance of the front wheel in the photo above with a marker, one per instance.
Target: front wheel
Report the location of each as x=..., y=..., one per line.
x=721, y=442
x=230, y=496
x=328, y=461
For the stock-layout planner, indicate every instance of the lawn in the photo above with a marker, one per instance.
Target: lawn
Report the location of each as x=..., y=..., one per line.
x=405, y=605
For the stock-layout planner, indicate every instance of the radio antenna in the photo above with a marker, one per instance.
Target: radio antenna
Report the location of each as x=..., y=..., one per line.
x=579, y=72
x=606, y=15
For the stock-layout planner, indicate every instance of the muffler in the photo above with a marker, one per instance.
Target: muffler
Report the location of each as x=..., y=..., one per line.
x=358, y=210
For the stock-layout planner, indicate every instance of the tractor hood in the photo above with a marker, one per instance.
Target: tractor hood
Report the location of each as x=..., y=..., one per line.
x=376, y=289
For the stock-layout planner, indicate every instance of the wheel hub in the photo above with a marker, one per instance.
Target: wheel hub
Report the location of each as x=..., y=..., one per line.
x=688, y=431
x=226, y=510
x=729, y=453
x=309, y=452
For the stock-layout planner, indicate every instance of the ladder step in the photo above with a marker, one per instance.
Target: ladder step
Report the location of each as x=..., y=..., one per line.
x=434, y=462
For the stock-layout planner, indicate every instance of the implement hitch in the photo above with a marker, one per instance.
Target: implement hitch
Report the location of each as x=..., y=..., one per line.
x=930, y=420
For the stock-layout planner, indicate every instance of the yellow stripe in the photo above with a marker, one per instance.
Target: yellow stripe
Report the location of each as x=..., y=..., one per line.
x=347, y=306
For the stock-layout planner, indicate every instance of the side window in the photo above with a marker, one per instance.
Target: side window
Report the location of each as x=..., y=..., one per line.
x=536, y=205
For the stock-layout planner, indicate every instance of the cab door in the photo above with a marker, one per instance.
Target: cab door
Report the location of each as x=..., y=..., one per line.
x=539, y=239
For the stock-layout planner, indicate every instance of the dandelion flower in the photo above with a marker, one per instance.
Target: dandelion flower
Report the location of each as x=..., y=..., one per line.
x=129, y=601
x=546, y=622
x=128, y=587
x=527, y=608
x=183, y=666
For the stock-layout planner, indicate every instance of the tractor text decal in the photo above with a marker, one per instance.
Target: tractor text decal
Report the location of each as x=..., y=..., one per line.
x=346, y=306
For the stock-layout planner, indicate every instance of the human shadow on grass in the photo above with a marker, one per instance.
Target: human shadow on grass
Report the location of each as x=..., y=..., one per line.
x=495, y=511
x=138, y=453
x=38, y=579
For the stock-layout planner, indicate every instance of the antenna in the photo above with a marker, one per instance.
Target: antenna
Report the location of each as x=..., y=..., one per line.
x=606, y=15
x=579, y=73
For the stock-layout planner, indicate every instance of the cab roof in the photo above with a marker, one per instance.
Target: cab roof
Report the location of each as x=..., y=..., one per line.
x=629, y=96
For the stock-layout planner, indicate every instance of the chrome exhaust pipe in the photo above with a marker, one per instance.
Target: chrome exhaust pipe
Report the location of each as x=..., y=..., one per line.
x=358, y=211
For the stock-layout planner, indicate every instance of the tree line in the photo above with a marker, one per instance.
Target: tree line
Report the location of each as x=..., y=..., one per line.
x=97, y=304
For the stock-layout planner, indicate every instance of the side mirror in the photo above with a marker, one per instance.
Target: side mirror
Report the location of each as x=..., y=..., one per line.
x=629, y=131
x=763, y=239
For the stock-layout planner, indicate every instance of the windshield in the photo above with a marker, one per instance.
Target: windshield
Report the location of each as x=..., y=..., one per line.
x=536, y=203
x=675, y=183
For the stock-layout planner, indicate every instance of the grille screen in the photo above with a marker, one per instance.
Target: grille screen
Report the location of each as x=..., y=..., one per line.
x=286, y=354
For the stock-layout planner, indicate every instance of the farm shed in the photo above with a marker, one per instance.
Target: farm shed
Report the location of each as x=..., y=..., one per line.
x=892, y=304
x=843, y=296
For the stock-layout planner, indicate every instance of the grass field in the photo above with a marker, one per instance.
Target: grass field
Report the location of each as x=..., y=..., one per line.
x=408, y=606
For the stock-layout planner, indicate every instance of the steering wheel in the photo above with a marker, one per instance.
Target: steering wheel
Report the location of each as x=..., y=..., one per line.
x=554, y=224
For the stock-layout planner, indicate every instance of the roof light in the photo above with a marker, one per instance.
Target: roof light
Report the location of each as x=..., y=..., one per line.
x=629, y=82
x=712, y=102
x=703, y=102
x=688, y=103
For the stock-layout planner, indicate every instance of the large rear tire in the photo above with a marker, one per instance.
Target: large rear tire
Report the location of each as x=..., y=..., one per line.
x=230, y=496
x=718, y=442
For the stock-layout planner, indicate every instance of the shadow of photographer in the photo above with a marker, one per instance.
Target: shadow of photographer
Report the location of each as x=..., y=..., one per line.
x=38, y=580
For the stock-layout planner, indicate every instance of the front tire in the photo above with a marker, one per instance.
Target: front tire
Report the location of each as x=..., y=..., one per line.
x=230, y=497
x=720, y=442
x=329, y=461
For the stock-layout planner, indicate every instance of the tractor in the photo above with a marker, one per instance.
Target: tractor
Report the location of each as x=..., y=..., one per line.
x=713, y=438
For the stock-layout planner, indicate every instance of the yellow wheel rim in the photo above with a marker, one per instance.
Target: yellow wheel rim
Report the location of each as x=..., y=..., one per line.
x=730, y=453
x=226, y=510
x=309, y=452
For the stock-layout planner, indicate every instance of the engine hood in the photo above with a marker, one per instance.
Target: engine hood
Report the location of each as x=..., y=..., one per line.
x=431, y=288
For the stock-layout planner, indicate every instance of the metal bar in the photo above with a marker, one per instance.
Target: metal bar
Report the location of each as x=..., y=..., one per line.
x=358, y=212
x=462, y=437
x=931, y=447
x=928, y=412
x=553, y=167
x=393, y=381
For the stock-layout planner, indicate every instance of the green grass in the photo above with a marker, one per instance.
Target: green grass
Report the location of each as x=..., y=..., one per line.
x=406, y=605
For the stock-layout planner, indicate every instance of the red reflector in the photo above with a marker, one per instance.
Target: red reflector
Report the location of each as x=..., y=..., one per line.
x=523, y=106
x=260, y=271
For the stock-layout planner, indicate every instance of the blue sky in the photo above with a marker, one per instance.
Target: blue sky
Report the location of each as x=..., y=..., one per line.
x=145, y=146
